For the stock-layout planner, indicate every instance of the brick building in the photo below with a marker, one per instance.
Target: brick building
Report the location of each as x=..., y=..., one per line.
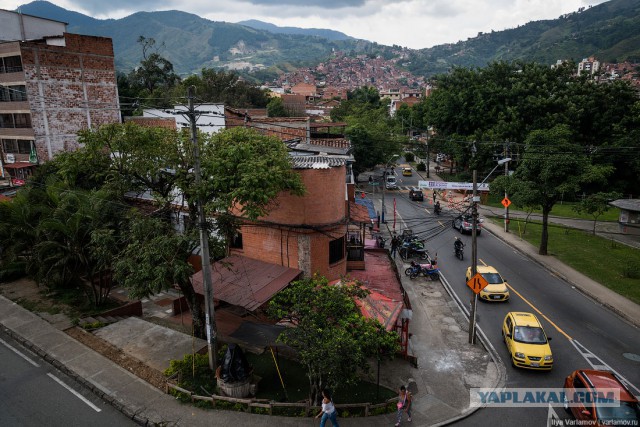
x=52, y=85
x=307, y=233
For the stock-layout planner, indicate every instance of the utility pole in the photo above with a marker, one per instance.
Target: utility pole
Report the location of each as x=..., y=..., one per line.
x=474, y=257
x=204, y=241
x=506, y=173
x=427, y=138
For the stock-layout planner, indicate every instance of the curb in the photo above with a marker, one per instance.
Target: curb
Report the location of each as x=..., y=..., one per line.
x=71, y=374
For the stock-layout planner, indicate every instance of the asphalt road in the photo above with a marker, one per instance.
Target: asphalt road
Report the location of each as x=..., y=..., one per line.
x=33, y=393
x=584, y=334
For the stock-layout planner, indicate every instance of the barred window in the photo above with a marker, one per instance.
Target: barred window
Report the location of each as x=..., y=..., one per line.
x=13, y=93
x=16, y=146
x=336, y=250
x=22, y=120
x=10, y=64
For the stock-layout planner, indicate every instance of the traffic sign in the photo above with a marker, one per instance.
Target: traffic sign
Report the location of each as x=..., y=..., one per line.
x=506, y=202
x=477, y=283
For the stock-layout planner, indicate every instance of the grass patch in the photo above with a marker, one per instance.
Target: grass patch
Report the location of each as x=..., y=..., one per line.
x=609, y=263
x=296, y=383
x=564, y=209
x=270, y=387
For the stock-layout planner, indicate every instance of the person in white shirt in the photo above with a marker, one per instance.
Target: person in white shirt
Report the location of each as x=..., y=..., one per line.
x=328, y=411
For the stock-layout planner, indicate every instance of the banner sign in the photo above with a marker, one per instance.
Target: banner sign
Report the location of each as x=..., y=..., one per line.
x=444, y=185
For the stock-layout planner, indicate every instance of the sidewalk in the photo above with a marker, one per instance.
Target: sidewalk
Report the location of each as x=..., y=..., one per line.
x=447, y=367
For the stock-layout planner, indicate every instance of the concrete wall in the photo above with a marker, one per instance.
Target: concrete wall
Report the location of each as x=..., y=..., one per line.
x=16, y=26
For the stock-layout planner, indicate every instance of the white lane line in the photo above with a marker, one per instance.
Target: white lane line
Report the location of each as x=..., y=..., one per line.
x=598, y=364
x=78, y=395
x=16, y=351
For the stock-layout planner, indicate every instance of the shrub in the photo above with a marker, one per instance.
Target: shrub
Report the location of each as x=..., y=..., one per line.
x=421, y=167
x=409, y=157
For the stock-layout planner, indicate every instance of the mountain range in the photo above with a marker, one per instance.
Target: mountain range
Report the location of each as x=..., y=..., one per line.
x=609, y=31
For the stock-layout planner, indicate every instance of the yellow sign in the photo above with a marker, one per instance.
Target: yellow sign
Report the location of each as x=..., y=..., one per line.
x=506, y=202
x=477, y=283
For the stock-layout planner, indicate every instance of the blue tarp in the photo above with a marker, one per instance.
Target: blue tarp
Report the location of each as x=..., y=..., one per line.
x=369, y=205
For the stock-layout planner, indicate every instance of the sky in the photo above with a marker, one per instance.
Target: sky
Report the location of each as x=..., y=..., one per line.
x=415, y=24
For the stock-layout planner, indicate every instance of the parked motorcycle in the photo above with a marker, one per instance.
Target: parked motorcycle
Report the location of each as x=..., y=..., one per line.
x=413, y=249
x=427, y=270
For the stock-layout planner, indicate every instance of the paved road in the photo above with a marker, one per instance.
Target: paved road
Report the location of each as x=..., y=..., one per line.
x=585, y=334
x=33, y=393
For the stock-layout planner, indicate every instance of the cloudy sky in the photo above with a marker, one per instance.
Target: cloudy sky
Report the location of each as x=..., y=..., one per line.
x=411, y=23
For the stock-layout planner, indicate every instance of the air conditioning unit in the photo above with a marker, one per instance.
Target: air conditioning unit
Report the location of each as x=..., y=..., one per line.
x=11, y=158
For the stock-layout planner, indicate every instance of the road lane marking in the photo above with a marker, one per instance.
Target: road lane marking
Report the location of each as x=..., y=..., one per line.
x=598, y=364
x=16, y=351
x=541, y=314
x=78, y=395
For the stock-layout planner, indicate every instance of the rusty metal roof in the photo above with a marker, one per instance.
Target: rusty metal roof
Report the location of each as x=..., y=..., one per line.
x=246, y=282
x=358, y=213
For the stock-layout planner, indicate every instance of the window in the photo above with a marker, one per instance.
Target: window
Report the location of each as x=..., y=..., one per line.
x=13, y=93
x=18, y=120
x=236, y=242
x=6, y=121
x=22, y=120
x=336, y=250
x=10, y=64
x=16, y=146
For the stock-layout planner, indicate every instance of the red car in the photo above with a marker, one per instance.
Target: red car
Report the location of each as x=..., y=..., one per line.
x=587, y=381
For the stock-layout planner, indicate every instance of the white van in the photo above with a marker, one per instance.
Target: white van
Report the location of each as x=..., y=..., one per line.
x=391, y=183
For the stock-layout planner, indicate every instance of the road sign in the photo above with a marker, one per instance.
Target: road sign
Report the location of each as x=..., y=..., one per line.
x=506, y=202
x=477, y=283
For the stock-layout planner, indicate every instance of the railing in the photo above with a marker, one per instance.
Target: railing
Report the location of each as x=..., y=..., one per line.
x=268, y=406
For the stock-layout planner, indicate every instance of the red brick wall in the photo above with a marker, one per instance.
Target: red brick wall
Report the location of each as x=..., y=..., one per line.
x=322, y=211
x=69, y=88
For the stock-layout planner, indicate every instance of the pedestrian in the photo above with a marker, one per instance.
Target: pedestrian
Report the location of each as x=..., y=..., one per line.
x=404, y=404
x=434, y=196
x=328, y=411
x=395, y=242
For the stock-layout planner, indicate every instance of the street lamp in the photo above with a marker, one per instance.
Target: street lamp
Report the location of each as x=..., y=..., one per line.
x=384, y=182
x=474, y=245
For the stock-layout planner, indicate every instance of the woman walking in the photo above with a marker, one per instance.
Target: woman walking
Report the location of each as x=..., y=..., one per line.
x=328, y=411
x=404, y=404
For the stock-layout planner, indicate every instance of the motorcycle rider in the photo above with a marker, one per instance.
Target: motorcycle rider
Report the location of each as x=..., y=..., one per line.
x=458, y=245
x=436, y=208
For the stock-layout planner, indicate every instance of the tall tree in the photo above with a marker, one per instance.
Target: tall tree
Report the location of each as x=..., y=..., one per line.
x=552, y=165
x=332, y=338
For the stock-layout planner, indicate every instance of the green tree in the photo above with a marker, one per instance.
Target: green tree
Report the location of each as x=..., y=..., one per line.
x=552, y=166
x=155, y=259
x=276, y=108
x=246, y=172
x=596, y=204
x=220, y=86
x=331, y=337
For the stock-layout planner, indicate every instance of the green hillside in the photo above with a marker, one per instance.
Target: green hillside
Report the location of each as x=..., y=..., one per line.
x=609, y=31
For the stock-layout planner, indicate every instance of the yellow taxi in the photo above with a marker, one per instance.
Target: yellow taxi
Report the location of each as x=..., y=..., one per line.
x=496, y=290
x=406, y=172
x=526, y=341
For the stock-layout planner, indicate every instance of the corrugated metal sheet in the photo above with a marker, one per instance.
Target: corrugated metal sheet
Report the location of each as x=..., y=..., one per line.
x=246, y=282
x=626, y=204
x=317, y=162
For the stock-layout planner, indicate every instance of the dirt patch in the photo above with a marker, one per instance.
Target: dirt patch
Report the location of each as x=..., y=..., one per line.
x=27, y=293
x=136, y=367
